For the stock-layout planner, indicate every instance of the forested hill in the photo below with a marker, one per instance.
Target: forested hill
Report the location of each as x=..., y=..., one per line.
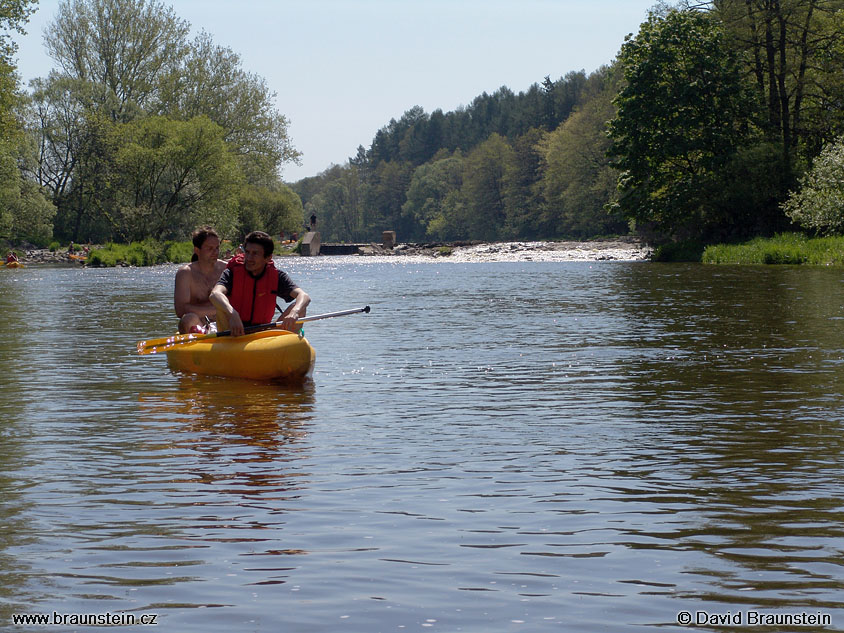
x=479, y=172
x=719, y=121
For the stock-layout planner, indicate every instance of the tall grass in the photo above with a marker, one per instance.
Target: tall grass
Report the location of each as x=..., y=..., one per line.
x=146, y=253
x=785, y=248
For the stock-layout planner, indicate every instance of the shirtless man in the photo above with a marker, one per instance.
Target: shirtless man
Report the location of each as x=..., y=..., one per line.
x=194, y=282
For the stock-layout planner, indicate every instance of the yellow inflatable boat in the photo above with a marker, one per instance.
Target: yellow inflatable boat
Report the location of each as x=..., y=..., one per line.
x=268, y=355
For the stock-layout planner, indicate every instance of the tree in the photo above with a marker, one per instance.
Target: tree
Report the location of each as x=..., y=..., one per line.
x=171, y=176
x=522, y=199
x=483, y=188
x=794, y=56
x=270, y=210
x=125, y=46
x=14, y=14
x=577, y=179
x=430, y=186
x=819, y=203
x=212, y=82
x=682, y=115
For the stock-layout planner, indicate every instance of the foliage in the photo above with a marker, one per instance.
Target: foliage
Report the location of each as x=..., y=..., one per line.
x=819, y=203
x=271, y=210
x=140, y=133
x=685, y=251
x=428, y=204
x=211, y=82
x=483, y=188
x=178, y=252
x=14, y=14
x=122, y=46
x=783, y=248
x=172, y=176
x=144, y=253
x=681, y=116
x=793, y=54
x=577, y=178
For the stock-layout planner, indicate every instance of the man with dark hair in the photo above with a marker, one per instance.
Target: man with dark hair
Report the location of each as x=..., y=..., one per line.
x=247, y=290
x=194, y=282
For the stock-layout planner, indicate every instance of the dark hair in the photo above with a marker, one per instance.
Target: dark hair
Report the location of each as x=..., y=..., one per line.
x=262, y=239
x=199, y=236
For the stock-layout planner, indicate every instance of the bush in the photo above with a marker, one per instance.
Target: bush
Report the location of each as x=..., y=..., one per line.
x=178, y=252
x=146, y=253
x=819, y=204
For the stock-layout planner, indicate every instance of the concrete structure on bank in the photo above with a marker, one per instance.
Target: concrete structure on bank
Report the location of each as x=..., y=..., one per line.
x=310, y=244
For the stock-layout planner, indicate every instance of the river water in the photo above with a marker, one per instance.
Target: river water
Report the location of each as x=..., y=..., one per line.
x=565, y=446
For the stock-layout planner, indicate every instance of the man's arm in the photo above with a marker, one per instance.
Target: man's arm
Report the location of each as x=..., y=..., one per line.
x=227, y=316
x=296, y=310
x=182, y=297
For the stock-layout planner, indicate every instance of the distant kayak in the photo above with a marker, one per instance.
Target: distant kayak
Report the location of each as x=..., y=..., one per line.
x=267, y=355
x=14, y=265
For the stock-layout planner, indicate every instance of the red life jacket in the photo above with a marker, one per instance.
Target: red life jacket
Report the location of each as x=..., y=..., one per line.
x=254, y=299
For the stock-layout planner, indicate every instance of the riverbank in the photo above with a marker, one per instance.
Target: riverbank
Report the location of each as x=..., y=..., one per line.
x=620, y=249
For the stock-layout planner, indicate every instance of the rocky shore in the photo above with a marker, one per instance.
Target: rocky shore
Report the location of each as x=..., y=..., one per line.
x=46, y=256
x=620, y=249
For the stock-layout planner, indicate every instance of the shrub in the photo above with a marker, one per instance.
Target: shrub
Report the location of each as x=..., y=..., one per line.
x=819, y=204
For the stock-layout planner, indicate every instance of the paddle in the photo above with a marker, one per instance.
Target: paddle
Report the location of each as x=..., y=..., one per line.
x=156, y=345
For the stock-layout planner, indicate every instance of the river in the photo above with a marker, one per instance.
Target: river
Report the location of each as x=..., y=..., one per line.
x=520, y=446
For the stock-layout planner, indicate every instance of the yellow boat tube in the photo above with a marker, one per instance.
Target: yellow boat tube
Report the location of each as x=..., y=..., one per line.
x=267, y=355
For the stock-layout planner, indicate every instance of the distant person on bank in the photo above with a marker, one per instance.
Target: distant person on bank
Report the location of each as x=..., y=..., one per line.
x=195, y=281
x=247, y=290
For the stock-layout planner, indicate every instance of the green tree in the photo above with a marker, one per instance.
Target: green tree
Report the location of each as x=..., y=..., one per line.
x=124, y=46
x=429, y=187
x=483, y=187
x=24, y=212
x=793, y=54
x=681, y=117
x=271, y=210
x=171, y=176
x=211, y=82
x=577, y=179
x=14, y=14
x=522, y=196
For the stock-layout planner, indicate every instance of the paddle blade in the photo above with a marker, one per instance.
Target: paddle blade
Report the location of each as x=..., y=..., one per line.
x=156, y=345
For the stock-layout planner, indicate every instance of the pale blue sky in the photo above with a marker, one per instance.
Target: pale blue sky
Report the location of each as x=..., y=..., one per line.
x=343, y=68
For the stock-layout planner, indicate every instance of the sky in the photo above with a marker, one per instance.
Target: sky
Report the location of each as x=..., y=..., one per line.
x=341, y=69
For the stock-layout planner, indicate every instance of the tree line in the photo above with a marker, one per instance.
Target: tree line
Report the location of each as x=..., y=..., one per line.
x=717, y=121
x=708, y=126
x=137, y=132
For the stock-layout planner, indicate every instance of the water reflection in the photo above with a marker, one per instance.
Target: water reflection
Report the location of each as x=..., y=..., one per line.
x=235, y=431
x=736, y=379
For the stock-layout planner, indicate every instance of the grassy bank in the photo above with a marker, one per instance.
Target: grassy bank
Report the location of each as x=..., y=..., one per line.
x=785, y=248
x=152, y=252
x=146, y=253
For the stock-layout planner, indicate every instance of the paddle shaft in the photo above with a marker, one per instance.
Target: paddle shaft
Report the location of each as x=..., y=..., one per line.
x=251, y=329
x=163, y=344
